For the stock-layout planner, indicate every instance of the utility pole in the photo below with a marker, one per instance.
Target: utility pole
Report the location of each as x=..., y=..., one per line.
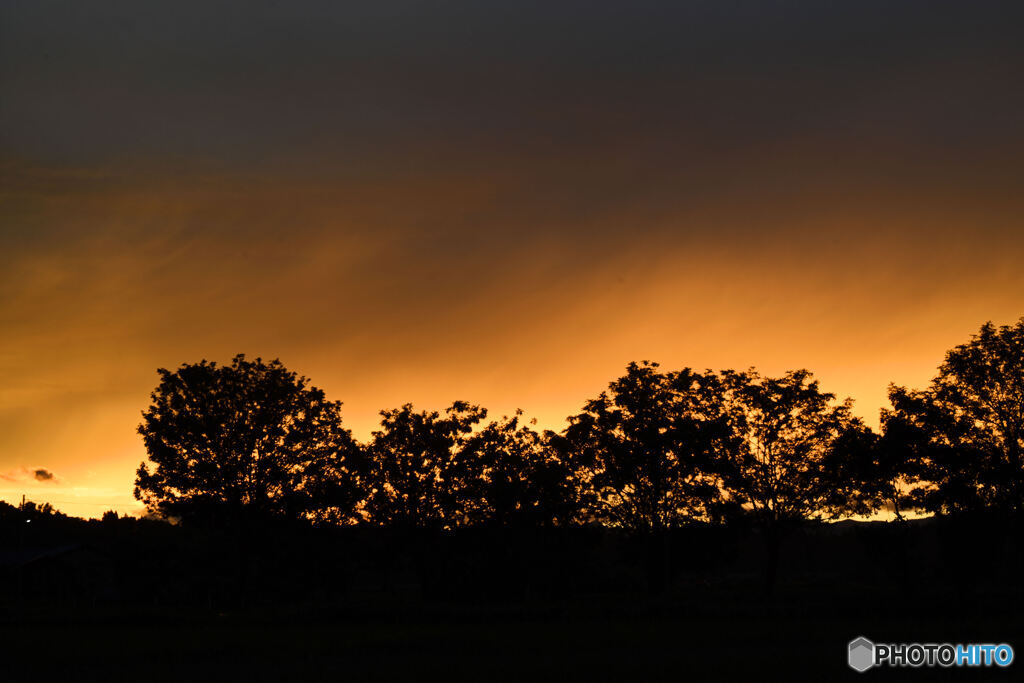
x=21, y=533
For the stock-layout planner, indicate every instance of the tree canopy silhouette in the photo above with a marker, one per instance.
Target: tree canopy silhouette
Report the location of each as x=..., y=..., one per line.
x=509, y=476
x=247, y=438
x=778, y=457
x=865, y=470
x=642, y=448
x=963, y=436
x=412, y=479
x=657, y=449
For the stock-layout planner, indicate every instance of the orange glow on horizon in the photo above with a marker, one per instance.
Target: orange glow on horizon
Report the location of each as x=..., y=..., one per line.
x=377, y=315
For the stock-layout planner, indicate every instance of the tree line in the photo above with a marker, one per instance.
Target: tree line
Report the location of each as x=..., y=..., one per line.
x=658, y=449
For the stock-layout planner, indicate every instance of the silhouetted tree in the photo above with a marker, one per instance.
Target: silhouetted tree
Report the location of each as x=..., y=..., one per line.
x=412, y=482
x=507, y=475
x=897, y=461
x=963, y=436
x=784, y=431
x=34, y=510
x=866, y=471
x=642, y=448
x=248, y=438
x=776, y=461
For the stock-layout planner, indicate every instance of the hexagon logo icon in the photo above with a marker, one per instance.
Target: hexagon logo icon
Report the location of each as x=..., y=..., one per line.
x=861, y=654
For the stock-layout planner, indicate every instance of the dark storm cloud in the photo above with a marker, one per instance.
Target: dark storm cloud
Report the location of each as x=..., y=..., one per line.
x=417, y=85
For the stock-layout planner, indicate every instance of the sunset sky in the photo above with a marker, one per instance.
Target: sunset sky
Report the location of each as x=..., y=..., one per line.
x=502, y=202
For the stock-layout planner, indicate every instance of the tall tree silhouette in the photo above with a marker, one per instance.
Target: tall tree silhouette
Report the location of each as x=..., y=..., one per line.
x=776, y=461
x=964, y=434
x=642, y=448
x=412, y=478
x=784, y=432
x=247, y=438
x=507, y=475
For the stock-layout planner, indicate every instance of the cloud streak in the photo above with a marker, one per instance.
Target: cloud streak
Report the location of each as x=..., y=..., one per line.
x=28, y=475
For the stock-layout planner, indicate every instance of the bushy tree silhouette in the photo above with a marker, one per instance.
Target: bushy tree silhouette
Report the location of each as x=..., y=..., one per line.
x=641, y=448
x=250, y=438
x=784, y=431
x=865, y=470
x=779, y=458
x=508, y=475
x=963, y=436
x=413, y=481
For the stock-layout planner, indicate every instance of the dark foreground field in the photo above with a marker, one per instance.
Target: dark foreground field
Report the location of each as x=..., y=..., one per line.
x=480, y=648
x=130, y=600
